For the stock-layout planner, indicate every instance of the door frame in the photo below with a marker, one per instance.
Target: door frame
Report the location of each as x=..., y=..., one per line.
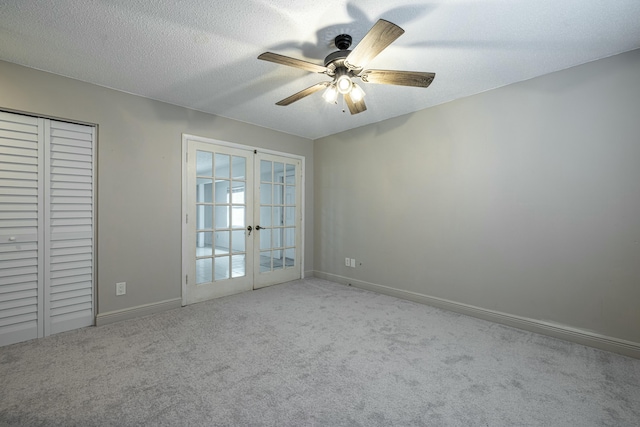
x=183, y=218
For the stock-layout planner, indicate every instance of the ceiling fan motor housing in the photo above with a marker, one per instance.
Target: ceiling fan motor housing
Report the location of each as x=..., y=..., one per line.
x=336, y=59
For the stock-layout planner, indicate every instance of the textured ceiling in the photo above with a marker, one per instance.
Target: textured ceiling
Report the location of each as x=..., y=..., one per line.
x=202, y=54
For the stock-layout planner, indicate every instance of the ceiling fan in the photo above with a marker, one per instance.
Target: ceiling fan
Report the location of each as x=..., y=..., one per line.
x=344, y=64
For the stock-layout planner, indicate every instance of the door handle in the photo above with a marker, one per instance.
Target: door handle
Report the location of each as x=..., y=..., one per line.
x=259, y=228
x=249, y=228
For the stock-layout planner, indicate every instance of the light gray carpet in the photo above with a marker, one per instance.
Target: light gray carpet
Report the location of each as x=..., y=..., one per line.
x=313, y=353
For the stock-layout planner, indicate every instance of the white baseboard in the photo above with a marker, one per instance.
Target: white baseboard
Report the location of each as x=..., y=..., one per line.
x=579, y=336
x=138, y=311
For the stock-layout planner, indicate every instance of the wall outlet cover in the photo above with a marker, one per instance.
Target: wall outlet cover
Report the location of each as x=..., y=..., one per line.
x=121, y=288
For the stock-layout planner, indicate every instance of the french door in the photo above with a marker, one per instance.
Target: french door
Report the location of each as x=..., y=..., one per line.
x=242, y=219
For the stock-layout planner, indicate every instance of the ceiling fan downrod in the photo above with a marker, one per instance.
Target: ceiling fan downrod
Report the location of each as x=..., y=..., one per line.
x=343, y=41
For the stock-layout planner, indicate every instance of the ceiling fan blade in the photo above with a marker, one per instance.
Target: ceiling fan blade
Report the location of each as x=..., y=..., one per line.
x=401, y=78
x=381, y=35
x=292, y=62
x=305, y=92
x=355, y=107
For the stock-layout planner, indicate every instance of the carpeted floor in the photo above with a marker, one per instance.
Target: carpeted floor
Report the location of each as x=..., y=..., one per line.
x=313, y=353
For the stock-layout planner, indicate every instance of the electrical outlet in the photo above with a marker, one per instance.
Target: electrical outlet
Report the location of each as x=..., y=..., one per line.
x=347, y=262
x=121, y=288
x=353, y=263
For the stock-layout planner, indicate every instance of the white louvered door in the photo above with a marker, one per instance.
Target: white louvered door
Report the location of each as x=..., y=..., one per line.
x=46, y=227
x=69, y=233
x=21, y=228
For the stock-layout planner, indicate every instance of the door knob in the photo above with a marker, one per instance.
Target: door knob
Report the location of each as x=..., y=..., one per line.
x=259, y=228
x=249, y=228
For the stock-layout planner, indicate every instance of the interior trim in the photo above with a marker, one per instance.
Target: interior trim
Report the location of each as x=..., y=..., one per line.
x=578, y=336
x=137, y=311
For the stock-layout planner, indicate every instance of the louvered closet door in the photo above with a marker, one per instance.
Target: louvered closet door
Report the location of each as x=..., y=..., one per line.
x=46, y=227
x=69, y=196
x=21, y=228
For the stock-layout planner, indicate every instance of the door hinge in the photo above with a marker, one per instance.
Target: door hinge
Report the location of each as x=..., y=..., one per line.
x=186, y=219
x=186, y=158
x=186, y=279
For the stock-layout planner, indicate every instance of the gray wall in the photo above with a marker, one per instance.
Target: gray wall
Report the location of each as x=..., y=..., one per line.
x=523, y=200
x=139, y=175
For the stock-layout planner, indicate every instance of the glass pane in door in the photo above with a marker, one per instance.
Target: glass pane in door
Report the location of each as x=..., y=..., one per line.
x=278, y=172
x=265, y=261
x=289, y=257
x=278, y=261
x=222, y=268
x=238, y=265
x=278, y=194
x=238, y=168
x=238, y=242
x=204, y=246
x=222, y=217
x=203, y=270
x=222, y=166
x=222, y=242
x=290, y=177
x=204, y=217
x=204, y=163
x=265, y=171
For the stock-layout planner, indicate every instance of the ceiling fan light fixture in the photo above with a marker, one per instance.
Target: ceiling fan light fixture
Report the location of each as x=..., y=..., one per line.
x=357, y=93
x=331, y=94
x=343, y=82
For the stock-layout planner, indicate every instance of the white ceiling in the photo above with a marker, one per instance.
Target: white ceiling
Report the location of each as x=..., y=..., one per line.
x=202, y=54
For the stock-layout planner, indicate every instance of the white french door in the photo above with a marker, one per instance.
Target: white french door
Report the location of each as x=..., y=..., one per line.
x=278, y=219
x=219, y=194
x=242, y=219
x=46, y=227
